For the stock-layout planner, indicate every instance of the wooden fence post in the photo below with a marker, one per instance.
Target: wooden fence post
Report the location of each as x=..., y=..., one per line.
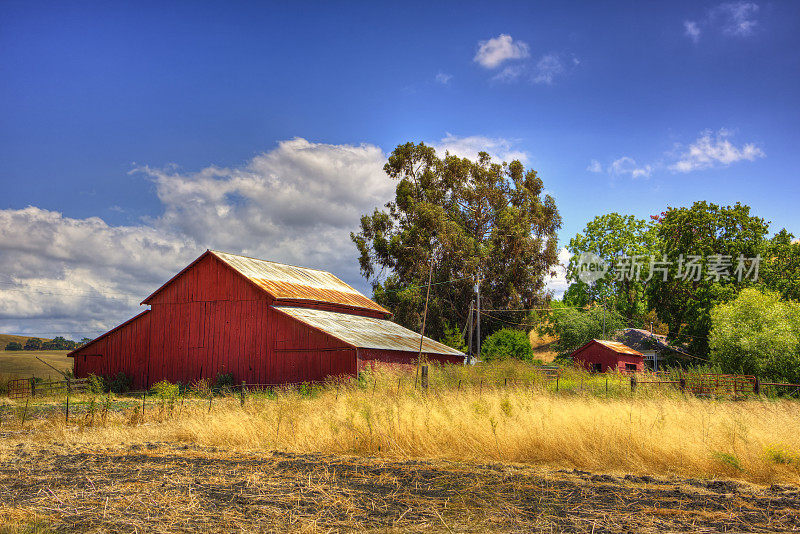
x=757, y=386
x=241, y=393
x=633, y=383
x=66, y=418
x=424, y=376
x=25, y=412
x=144, y=395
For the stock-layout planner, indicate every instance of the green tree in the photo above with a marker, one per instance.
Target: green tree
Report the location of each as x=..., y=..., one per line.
x=780, y=270
x=612, y=237
x=507, y=343
x=573, y=327
x=469, y=219
x=453, y=337
x=707, y=231
x=33, y=343
x=14, y=345
x=757, y=334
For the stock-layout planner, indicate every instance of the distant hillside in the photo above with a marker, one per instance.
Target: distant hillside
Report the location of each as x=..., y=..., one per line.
x=5, y=339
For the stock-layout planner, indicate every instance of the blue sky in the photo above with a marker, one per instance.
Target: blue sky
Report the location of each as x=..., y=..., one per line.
x=172, y=128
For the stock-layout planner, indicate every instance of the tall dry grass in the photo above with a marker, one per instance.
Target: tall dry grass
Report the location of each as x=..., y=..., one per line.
x=755, y=440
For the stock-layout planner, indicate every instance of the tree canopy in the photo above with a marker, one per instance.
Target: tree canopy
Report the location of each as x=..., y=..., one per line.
x=469, y=219
x=757, y=334
x=708, y=231
x=612, y=237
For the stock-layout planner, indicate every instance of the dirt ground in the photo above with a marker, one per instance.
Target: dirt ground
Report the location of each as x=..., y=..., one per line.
x=179, y=488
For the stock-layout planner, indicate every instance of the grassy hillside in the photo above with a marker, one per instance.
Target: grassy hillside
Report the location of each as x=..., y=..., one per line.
x=543, y=346
x=8, y=338
x=24, y=363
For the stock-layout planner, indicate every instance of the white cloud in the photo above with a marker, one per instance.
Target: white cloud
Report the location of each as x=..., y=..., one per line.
x=509, y=74
x=468, y=147
x=296, y=203
x=737, y=18
x=443, y=78
x=691, y=30
x=495, y=51
x=558, y=284
x=710, y=151
x=547, y=68
x=627, y=165
x=594, y=166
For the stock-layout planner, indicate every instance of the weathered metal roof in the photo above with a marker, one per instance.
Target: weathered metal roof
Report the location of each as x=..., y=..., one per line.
x=616, y=346
x=366, y=332
x=287, y=282
x=639, y=339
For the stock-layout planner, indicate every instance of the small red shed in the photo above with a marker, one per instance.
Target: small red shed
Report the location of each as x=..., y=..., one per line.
x=261, y=322
x=601, y=356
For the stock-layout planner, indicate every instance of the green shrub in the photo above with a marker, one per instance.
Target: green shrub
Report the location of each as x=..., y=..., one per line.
x=165, y=389
x=14, y=345
x=121, y=383
x=223, y=382
x=507, y=343
x=96, y=384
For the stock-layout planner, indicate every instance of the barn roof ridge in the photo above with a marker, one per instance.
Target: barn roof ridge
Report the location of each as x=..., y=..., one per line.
x=285, y=282
x=215, y=252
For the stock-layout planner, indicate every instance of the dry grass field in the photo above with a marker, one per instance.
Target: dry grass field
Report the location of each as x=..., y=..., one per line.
x=23, y=363
x=384, y=456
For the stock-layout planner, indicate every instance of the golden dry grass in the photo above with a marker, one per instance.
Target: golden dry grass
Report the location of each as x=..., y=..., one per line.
x=753, y=440
x=542, y=345
x=23, y=363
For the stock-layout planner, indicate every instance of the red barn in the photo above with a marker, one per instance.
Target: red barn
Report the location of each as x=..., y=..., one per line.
x=261, y=321
x=601, y=356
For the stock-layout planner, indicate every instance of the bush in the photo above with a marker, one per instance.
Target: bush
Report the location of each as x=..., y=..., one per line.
x=507, y=343
x=223, y=382
x=14, y=345
x=96, y=384
x=121, y=383
x=757, y=334
x=165, y=389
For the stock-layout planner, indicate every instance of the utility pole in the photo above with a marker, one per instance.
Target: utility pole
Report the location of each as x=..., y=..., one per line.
x=604, y=319
x=470, y=318
x=425, y=313
x=478, y=320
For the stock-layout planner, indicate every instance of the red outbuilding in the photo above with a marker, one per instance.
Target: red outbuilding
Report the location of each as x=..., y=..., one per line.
x=261, y=321
x=602, y=356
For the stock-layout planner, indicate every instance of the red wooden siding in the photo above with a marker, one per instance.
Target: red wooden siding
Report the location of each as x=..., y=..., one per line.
x=594, y=353
x=123, y=349
x=373, y=357
x=301, y=353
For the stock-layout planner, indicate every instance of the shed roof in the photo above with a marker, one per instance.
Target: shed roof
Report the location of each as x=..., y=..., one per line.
x=616, y=346
x=367, y=332
x=640, y=339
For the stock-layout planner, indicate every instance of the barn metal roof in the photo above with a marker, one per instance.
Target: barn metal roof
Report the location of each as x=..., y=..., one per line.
x=616, y=346
x=366, y=332
x=287, y=282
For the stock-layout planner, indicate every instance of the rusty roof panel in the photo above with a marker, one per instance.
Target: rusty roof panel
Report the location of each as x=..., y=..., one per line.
x=367, y=332
x=287, y=282
x=616, y=346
